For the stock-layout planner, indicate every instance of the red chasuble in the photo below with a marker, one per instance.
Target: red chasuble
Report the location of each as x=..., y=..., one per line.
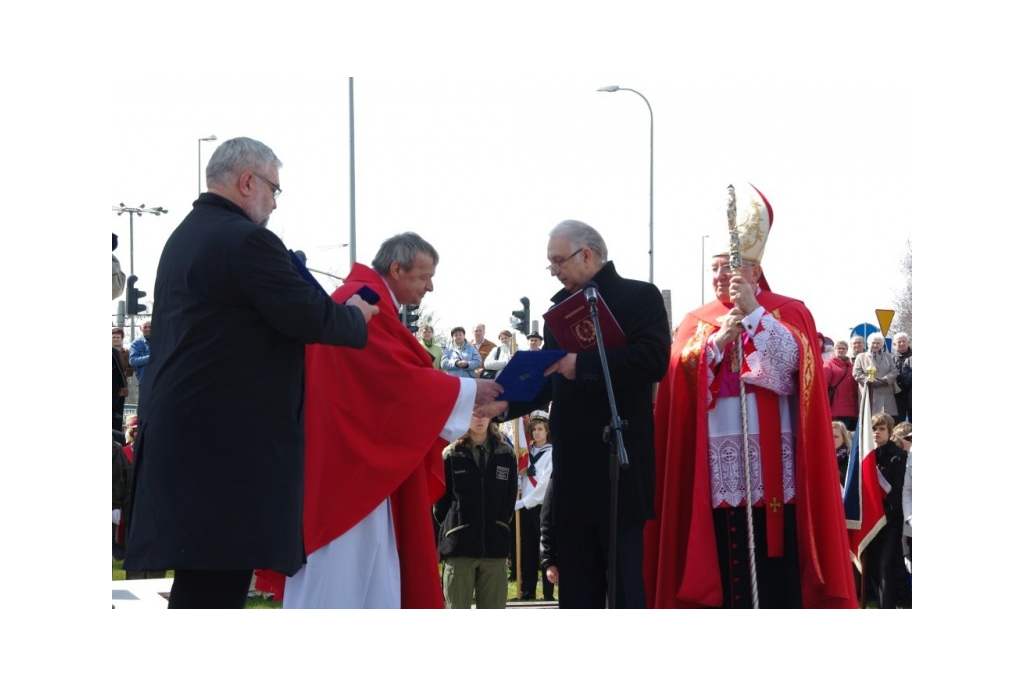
x=680, y=555
x=373, y=421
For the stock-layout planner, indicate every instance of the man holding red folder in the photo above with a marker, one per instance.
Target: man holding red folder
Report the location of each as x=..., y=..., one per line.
x=577, y=502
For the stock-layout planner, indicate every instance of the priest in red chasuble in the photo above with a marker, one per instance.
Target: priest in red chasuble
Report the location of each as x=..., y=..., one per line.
x=376, y=424
x=697, y=547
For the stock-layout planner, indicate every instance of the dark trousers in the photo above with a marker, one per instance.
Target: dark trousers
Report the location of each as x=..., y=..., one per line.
x=583, y=567
x=513, y=545
x=903, y=402
x=209, y=589
x=883, y=565
x=778, y=578
x=529, y=543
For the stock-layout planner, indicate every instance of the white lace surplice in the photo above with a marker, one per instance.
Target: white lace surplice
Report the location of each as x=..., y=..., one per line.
x=772, y=365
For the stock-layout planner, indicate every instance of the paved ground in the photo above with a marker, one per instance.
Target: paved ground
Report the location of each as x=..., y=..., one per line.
x=141, y=594
x=153, y=593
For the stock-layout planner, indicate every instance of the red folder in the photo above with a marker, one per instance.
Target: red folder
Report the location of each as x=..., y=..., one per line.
x=569, y=321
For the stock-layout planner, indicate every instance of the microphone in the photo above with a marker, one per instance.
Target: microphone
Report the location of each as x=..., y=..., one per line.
x=590, y=292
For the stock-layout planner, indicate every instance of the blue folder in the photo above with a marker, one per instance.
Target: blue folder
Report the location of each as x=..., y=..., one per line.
x=523, y=376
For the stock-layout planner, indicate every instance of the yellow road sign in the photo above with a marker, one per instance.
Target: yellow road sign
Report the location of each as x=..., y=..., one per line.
x=885, y=320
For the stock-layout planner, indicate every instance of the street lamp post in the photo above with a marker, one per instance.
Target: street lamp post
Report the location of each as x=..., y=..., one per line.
x=612, y=89
x=702, y=263
x=351, y=172
x=199, y=158
x=132, y=211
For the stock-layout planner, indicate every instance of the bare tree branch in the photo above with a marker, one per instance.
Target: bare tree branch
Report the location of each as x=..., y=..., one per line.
x=904, y=297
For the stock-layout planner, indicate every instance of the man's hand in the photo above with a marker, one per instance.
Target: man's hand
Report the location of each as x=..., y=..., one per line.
x=565, y=365
x=742, y=294
x=486, y=391
x=552, y=574
x=732, y=326
x=490, y=409
x=368, y=310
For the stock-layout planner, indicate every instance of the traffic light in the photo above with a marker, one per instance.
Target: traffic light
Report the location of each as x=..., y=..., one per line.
x=134, y=295
x=409, y=317
x=521, y=317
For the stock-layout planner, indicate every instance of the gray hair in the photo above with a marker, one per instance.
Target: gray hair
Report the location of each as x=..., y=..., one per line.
x=876, y=336
x=402, y=248
x=581, y=235
x=900, y=336
x=232, y=157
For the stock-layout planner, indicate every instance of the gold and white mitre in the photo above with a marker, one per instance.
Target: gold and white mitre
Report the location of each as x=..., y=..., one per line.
x=753, y=221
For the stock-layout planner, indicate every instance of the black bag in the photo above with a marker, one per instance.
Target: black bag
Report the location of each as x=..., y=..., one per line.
x=488, y=374
x=905, y=374
x=832, y=388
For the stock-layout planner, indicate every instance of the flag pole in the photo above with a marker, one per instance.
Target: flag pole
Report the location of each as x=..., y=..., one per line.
x=519, y=538
x=865, y=420
x=736, y=264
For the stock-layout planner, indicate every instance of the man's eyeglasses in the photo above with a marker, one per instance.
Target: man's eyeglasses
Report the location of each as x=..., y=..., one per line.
x=725, y=269
x=556, y=266
x=276, y=188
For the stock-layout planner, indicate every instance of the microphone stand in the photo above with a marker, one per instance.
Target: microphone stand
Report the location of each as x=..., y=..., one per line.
x=617, y=457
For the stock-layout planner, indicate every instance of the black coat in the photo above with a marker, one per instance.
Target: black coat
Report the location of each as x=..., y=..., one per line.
x=478, y=504
x=218, y=474
x=119, y=373
x=578, y=491
x=892, y=462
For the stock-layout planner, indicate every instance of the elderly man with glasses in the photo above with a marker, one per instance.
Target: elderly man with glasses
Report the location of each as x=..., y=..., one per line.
x=233, y=317
x=576, y=536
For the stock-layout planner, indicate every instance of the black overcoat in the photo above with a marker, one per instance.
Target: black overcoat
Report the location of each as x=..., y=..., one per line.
x=580, y=409
x=218, y=474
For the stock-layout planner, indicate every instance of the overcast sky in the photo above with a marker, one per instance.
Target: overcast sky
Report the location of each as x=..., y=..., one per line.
x=483, y=169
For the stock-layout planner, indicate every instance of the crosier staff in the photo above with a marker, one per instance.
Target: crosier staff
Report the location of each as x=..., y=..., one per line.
x=735, y=265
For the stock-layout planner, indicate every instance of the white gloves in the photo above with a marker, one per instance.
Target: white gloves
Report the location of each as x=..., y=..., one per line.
x=520, y=504
x=116, y=517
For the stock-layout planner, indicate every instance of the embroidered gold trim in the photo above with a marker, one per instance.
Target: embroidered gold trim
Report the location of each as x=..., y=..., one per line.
x=751, y=234
x=689, y=356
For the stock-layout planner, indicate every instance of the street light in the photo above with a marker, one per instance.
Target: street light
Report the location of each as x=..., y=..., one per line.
x=612, y=89
x=702, y=263
x=199, y=156
x=132, y=211
x=351, y=172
